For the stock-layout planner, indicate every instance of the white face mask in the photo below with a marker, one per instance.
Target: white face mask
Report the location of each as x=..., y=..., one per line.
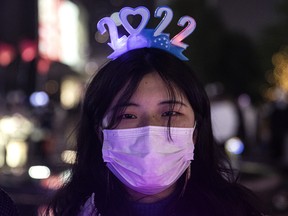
x=146, y=159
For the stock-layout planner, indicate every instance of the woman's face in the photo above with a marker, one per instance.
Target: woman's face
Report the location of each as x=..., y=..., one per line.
x=151, y=105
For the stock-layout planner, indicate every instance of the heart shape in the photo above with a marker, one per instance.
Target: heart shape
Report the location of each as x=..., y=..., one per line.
x=142, y=11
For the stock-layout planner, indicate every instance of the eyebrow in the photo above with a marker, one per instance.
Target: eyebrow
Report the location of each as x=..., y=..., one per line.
x=172, y=102
x=169, y=102
x=117, y=106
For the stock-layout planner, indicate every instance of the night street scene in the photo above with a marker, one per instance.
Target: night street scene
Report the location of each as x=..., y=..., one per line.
x=50, y=49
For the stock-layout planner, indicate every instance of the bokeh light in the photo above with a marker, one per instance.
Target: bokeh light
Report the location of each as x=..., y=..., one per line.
x=39, y=99
x=234, y=146
x=39, y=172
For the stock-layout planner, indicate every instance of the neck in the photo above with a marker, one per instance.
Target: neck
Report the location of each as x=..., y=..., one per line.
x=143, y=198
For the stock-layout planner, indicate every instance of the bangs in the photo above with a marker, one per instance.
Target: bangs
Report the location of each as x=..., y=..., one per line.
x=175, y=95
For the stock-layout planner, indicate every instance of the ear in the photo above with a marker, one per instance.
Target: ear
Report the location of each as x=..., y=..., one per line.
x=105, y=122
x=99, y=133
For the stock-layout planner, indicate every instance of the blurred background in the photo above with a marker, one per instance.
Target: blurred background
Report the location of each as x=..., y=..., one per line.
x=49, y=49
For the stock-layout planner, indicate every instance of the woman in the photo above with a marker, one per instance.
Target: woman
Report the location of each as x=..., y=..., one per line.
x=143, y=116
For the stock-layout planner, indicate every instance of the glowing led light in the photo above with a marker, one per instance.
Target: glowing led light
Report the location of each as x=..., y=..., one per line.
x=116, y=18
x=68, y=23
x=16, y=153
x=140, y=37
x=16, y=126
x=38, y=99
x=164, y=22
x=224, y=128
x=43, y=66
x=142, y=11
x=5, y=58
x=39, y=172
x=49, y=34
x=115, y=41
x=28, y=54
x=177, y=40
x=8, y=125
x=70, y=93
x=7, y=54
x=28, y=50
x=68, y=156
x=234, y=146
x=62, y=32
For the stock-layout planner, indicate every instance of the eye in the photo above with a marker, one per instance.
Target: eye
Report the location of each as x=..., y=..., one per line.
x=128, y=116
x=170, y=113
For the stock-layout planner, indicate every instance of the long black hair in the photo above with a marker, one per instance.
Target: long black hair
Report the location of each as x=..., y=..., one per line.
x=212, y=184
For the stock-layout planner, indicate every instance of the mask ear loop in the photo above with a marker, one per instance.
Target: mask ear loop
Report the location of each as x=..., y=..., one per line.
x=187, y=177
x=195, y=124
x=109, y=182
x=100, y=129
x=188, y=173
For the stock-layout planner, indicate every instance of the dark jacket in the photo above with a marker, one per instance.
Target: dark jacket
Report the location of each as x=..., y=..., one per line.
x=7, y=206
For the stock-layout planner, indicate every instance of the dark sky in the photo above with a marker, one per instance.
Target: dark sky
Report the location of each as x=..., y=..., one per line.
x=245, y=16
x=17, y=20
x=249, y=16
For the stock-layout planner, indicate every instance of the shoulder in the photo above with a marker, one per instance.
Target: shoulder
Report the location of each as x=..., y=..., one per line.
x=89, y=208
x=226, y=199
x=244, y=200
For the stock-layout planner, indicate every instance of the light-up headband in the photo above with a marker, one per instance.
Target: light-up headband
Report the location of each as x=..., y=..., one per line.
x=140, y=37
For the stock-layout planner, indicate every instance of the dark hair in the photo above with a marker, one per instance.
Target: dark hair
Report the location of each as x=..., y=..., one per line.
x=211, y=181
x=7, y=205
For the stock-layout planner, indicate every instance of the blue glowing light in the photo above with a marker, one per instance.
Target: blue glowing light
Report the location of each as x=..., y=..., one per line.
x=39, y=99
x=234, y=146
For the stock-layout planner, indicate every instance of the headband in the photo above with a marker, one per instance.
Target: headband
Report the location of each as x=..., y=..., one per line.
x=141, y=37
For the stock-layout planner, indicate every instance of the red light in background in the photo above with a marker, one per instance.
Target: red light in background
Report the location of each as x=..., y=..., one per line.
x=54, y=182
x=43, y=66
x=28, y=49
x=7, y=54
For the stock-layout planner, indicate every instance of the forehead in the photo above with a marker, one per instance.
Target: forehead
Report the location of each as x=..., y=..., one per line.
x=153, y=85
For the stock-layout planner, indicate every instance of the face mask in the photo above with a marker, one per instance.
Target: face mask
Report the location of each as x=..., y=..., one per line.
x=147, y=159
